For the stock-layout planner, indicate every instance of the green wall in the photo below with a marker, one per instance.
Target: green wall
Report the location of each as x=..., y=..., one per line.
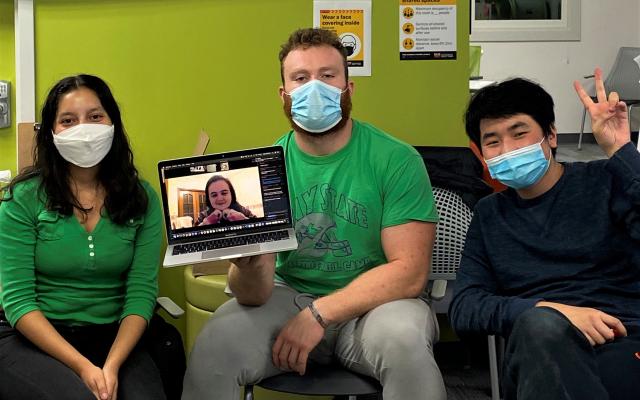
x=177, y=66
x=7, y=73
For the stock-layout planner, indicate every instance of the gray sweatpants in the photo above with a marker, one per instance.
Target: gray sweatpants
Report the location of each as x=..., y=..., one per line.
x=392, y=343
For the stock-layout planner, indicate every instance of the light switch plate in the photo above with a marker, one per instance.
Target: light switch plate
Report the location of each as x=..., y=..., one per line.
x=5, y=102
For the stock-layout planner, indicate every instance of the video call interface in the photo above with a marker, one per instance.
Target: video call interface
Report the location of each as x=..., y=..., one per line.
x=197, y=201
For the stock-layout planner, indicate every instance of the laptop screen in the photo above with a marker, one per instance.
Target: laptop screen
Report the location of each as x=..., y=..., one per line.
x=223, y=195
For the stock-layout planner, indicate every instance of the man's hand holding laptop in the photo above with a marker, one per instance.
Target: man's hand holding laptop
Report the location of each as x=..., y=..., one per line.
x=251, y=278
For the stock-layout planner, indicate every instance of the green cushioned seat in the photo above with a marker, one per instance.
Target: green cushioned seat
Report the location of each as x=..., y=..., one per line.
x=205, y=292
x=196, y=318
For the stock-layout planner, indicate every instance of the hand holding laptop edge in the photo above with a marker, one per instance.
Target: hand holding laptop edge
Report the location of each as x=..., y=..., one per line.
x=251, y=278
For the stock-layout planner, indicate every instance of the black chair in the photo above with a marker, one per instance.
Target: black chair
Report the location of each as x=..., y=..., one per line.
x=320, y=380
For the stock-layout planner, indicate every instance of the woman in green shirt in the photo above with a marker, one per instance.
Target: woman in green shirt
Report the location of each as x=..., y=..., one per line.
x=79, y=253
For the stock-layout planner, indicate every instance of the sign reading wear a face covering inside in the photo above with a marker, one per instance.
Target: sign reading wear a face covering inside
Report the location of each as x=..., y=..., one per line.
x=351, y=21
x=427, y=29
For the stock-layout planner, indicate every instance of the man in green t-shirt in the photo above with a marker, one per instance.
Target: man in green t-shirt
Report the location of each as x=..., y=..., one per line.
x=365, y=222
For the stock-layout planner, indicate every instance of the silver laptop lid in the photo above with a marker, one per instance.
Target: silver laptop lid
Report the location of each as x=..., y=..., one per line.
x=198, y=206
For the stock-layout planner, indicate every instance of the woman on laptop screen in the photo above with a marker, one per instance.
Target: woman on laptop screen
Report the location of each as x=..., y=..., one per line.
x=79, y=243
x=222, y=204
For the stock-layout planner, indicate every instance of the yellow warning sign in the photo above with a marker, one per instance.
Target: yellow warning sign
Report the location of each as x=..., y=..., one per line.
x=350, y=20
x=349, y=26
x=427, y=29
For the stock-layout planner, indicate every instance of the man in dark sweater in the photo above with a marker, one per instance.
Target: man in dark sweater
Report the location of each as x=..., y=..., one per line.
x=553, y=262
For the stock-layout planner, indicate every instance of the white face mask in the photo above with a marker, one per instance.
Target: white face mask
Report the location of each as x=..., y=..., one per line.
x=84, y=145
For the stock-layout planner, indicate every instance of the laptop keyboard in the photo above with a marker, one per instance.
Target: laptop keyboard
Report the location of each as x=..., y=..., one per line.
x=229, y=242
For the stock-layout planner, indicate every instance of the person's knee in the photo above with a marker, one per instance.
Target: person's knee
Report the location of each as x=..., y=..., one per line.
x=229, y=342
x=220, y=339
x=393, y=337
x=540, y=328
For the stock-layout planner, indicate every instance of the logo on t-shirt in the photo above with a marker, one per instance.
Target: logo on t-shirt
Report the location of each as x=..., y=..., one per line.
x=316, y=234
x=326, y=223
x=327, y=200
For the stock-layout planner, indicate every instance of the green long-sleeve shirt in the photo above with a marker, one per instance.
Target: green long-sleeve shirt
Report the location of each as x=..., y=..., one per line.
x=49, y=262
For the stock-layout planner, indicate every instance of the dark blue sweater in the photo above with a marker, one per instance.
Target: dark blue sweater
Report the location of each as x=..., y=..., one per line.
x=577, y=244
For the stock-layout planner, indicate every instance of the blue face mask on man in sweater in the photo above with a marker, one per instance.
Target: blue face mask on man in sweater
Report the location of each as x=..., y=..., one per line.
x=520, y=168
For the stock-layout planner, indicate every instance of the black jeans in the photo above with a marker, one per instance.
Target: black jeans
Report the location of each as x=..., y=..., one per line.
x=28, y=373
x=548, y=358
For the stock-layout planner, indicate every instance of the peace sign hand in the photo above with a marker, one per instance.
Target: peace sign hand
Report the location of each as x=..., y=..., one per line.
x=608, y=116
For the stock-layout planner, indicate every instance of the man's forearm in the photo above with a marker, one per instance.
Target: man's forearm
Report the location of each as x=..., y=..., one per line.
x=385, y=283
x=251, y=279
x=407, y=248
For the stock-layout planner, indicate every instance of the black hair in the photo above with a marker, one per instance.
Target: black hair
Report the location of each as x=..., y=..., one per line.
x=125, y=197
x=506, y=99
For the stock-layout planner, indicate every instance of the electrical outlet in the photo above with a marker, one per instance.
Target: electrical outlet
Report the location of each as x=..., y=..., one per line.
x=5, y=101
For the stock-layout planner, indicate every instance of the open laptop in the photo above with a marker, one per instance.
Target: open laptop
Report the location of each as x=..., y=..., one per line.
x=202, y=221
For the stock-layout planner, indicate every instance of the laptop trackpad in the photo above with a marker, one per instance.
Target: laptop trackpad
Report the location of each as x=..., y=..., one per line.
x=228, y=252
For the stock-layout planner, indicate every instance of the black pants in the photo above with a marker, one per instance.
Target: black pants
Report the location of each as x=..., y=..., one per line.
x=548, y=358
x=28, y=373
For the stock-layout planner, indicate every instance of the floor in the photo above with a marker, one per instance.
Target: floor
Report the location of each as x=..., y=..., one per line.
x=568, y=148
x=465, y=368
x=570, y=152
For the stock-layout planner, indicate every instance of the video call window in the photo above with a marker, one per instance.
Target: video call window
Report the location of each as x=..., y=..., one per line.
x=218, y=197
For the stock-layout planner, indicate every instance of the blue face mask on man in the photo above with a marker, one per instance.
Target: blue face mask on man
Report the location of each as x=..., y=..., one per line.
x=520, y=168
x=315, y=106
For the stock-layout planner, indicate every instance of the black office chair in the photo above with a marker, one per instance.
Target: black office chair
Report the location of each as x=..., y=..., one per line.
x=320, y=380
x=624, y=79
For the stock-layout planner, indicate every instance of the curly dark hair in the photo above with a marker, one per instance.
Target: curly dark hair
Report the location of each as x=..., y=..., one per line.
x=309, y=37
x=125, y=197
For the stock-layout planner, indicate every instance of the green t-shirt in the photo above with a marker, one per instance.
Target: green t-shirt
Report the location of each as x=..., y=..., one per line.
x=48, y=262
x=341, y=203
